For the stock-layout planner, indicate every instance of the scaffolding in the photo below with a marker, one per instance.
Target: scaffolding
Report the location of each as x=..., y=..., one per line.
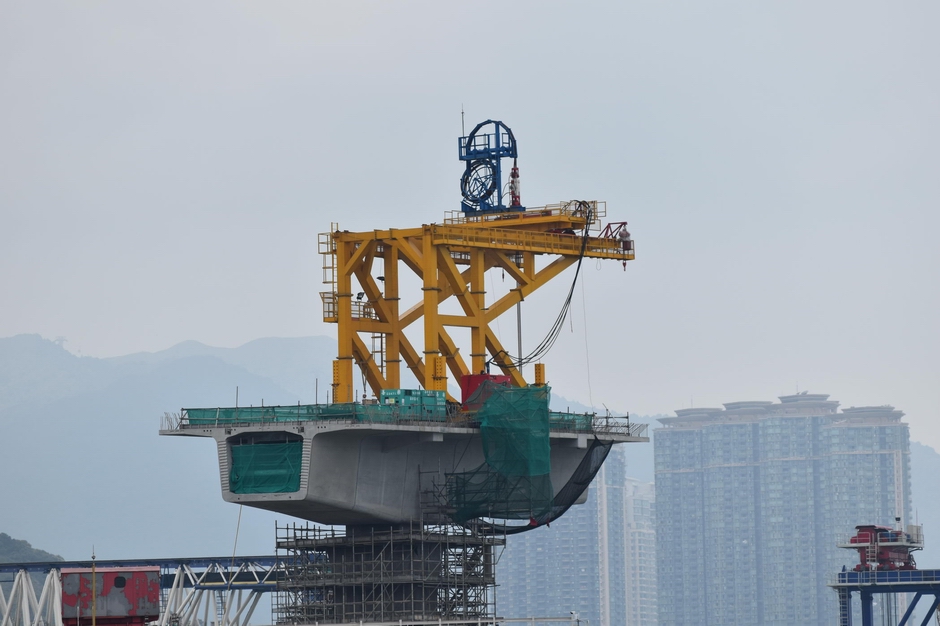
x=404, y=574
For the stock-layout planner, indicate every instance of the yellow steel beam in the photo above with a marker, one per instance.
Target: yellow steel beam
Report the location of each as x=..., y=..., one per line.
x=359, y=252
x=366, y=362
x=528, y=241
x=457, y=283
x=477, y=278
x=501, y=358
x=412, y=254
x=390, y=300
x=452, y=353
x=433, y=252
x=431, y=289
x=412, y=359
x=342, y=391
x=499, y=259
x=518, y=295
x=414, y=313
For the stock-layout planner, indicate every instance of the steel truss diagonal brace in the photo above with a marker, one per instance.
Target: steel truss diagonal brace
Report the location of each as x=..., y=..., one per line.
x=450, y=262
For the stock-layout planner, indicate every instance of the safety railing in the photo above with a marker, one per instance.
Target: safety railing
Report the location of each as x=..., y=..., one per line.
x=381, y=414
x=572, y=209
x=880, y=577
x=330, y=312
x=360, y=309
x=339, y=412
x=911, y=536
x=592, y=423
x=530, y=241
x=327, y=248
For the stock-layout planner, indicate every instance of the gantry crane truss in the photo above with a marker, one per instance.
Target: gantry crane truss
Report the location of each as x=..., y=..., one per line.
x=451, y=261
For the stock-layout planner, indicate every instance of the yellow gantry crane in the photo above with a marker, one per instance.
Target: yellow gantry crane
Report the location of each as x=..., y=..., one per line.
x=451, y=261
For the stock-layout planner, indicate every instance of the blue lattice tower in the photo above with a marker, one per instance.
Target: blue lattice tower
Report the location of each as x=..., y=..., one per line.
x=482, y=183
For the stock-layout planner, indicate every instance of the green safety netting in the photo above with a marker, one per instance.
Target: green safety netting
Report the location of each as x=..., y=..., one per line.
x=514, y=482
x=379, y=413
x=579, y=422
x=266, y=467
x=580, y=480
x=313, y=412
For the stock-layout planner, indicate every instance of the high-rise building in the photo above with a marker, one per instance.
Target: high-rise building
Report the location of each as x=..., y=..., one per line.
x=599, y=560
x=752, y=499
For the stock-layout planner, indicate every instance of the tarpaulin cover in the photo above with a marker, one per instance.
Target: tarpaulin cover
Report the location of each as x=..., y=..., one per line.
x=515, y=481
x=266, y=467
x=566, y=496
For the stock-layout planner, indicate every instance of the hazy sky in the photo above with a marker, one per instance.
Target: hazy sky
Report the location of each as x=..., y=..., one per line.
x=165, y=169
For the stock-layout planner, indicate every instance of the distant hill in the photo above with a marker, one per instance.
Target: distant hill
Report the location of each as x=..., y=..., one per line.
x=19, y=551
x=82, y=461
x=33, y=369
x=298, y=365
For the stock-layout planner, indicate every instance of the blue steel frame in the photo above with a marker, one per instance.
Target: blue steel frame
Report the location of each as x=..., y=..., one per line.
x=167, y=567
x=867, y=584
x=491, y=147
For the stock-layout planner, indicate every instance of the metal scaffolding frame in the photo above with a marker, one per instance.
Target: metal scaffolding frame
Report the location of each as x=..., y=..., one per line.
x=22, y=608
x=223, y=591
x=404, y=574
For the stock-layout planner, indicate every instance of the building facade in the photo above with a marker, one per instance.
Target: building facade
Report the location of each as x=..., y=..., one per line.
x=752, y=499
x=598, y=560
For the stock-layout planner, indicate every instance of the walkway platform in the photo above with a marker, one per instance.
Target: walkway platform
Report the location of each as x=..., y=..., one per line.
x=868, y=584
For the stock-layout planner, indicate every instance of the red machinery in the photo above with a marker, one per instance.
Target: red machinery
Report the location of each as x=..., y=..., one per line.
x=471, y=382
x=885, y=548
x=119, y=596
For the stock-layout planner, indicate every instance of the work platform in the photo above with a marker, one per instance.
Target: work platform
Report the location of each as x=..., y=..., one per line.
x=370, y=464
x=370, y=575
x=870, y=583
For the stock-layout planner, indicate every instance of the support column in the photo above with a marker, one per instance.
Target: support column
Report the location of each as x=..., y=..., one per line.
x=478, y=295
x=431, y=289
x=867, y=615
x=393, y=337
x=539, y=374
x=343, y=371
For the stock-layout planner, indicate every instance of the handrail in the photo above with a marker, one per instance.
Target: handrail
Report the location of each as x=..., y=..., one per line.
x=382, y=414
x=570, y=209
x=530, y=241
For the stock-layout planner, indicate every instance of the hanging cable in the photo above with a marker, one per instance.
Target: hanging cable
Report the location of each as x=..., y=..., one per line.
x=587, y=355
x=585, y=209
x=231, y=567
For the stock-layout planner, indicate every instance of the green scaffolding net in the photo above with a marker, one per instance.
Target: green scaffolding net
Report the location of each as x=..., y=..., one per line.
x=515, y=480
x=266, y=467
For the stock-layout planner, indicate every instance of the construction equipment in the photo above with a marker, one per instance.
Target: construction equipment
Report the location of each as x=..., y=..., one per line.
x=413, y=470
x=885, y=548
